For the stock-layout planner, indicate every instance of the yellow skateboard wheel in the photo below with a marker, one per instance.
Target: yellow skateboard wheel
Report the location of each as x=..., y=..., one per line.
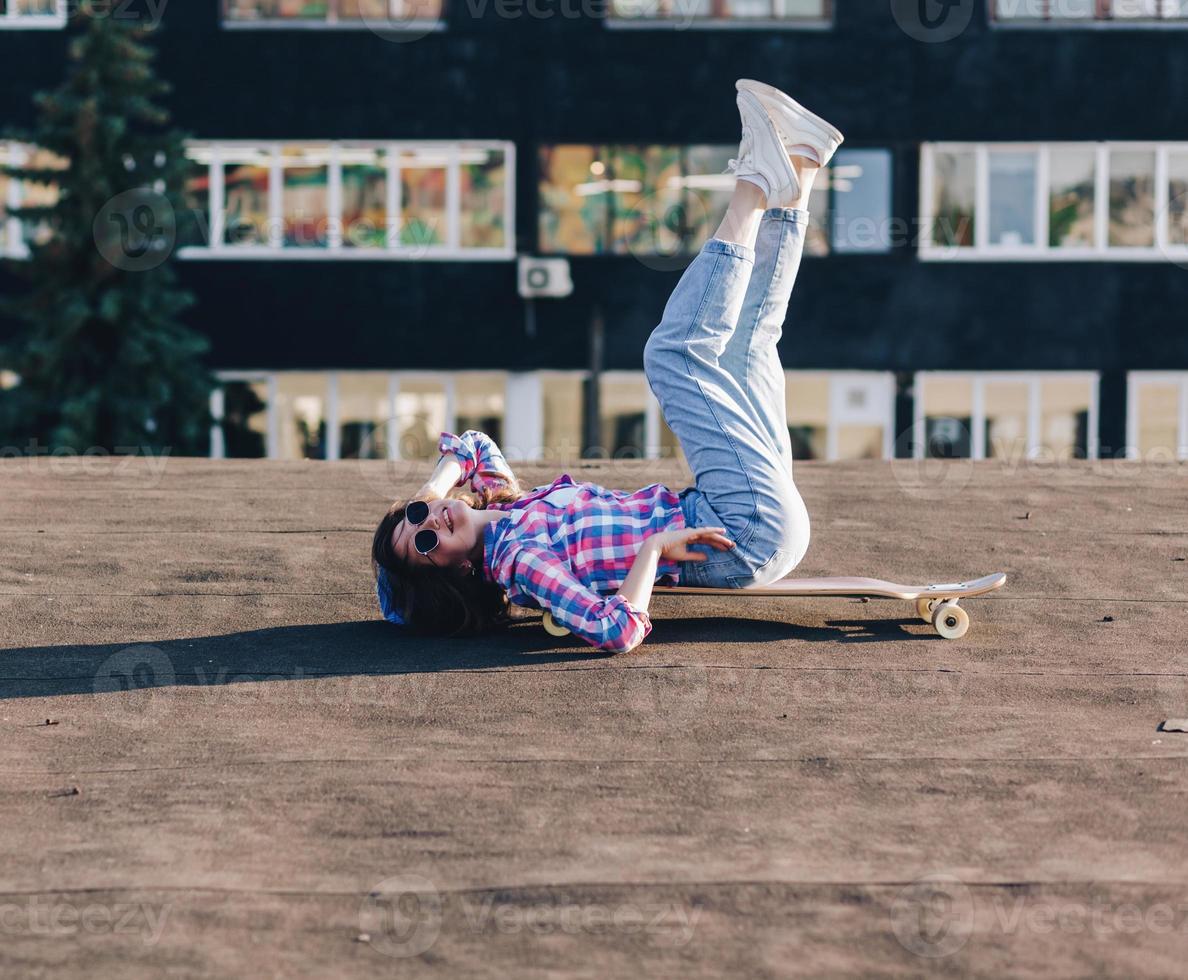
x=552, y=627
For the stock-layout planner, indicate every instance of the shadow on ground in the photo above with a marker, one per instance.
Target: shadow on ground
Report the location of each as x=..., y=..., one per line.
x=369, y=648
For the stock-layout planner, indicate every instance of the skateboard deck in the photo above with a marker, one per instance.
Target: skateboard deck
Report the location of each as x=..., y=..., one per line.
x=936, y=604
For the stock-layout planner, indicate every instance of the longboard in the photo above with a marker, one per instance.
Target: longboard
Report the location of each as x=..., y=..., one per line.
x=935, y=604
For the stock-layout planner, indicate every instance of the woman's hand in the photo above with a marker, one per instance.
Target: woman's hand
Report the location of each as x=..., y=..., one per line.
x=674, y=545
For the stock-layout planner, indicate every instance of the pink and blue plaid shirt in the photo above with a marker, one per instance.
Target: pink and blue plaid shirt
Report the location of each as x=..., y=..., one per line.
x=569, y=557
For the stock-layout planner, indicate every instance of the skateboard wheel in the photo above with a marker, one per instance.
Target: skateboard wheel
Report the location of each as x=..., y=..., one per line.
x=925, y=608
x=552, y=627
x=950, y=620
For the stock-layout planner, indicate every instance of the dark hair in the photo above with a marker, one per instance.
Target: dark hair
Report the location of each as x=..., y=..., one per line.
x=440, y=601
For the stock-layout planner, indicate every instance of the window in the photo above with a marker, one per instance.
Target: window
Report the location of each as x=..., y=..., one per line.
x=357, y=14
x=655, y=200
x=1091, y=13
x=836, y=415
x=719, y=13
x=352, y=200
x=32, y=13
x=1005, y=415
x=1157, y=415
x=1061, y=201
x=16, y=236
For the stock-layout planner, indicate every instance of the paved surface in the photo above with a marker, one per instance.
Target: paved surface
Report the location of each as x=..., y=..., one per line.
x=216, y=761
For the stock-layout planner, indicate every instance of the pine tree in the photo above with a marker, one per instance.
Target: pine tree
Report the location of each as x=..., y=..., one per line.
x=103, y=360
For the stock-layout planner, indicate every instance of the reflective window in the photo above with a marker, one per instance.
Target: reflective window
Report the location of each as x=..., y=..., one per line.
x=305, y=204
x=1070, y=197
x=484, y=182
x=17, y=234
x=651, y=200
x=623, y=403
x=948, y=416
x=349, y=200
x=562, y=396
x=300, y=407
x=1096, y=200
x=954, y=189
x=1157, y=415
x=1012, y=198
x=245, y=419
x=1177, y=166
x=1006, y=415
x=32, y=13
x=381, y=14
x=364, y=197
x=685, y=12
x=1070, y=12
x=1007, y=404
x=480, y=402
x=363, y=413
x=860, y=210
x=1132, y=198
x=246, y=176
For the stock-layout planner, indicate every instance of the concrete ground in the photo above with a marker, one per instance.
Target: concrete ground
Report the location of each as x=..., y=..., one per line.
x=216, y=760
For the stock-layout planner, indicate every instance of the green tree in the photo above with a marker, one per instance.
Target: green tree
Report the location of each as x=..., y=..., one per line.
x=102, y=357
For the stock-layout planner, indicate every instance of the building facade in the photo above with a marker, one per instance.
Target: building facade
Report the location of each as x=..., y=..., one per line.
x=998, y=263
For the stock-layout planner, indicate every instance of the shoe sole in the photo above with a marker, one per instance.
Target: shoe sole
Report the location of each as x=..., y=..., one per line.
x=770, y=92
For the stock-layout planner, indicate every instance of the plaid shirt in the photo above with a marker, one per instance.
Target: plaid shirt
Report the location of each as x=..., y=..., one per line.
x=569, y=559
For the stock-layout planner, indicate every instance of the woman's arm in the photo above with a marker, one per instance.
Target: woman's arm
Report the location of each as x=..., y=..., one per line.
x=673, y=545
x=474, y=458
x=446, y=475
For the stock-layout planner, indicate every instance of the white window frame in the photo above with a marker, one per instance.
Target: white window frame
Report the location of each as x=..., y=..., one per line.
x=1135, y=382
x=681, y=22
x=979, y=379
x=1041, y=251
x=395, y=23
x=10, y=20
x=449, y=250
x=1082, y=23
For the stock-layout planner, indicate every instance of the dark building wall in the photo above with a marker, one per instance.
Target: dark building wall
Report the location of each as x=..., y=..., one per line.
x=558, y=78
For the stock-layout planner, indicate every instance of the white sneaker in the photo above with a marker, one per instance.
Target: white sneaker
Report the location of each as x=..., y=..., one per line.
x=799, y=130
x=761, y=154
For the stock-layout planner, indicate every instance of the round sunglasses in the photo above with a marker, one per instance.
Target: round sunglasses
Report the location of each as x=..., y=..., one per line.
x=417, y=512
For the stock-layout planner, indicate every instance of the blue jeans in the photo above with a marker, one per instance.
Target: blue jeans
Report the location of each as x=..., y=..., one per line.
x=713, y=366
